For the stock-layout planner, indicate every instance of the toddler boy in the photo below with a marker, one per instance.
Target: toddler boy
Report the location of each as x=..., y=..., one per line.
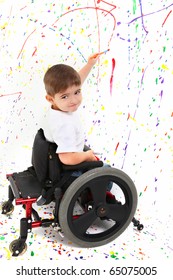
x=62, y=124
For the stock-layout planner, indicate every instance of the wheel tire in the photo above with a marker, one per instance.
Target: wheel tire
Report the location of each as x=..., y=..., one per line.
x=15, y=248
x=7, y=208
x=140, y=227
x=93, y=180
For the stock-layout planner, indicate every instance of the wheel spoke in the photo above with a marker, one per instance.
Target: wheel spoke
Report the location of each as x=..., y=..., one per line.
x=84, y=221
x=98, y=191
x=117, y=212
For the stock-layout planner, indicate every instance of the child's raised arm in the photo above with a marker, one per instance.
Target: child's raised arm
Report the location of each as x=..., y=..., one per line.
x=87, y=68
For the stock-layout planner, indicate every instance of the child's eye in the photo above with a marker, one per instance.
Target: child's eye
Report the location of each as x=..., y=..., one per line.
x=64, y=97
x=78, y=92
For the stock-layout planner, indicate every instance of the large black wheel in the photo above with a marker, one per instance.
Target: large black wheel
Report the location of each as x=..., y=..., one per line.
x=103, y=219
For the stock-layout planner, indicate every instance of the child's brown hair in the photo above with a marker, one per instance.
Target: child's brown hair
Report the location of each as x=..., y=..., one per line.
x=59, y=77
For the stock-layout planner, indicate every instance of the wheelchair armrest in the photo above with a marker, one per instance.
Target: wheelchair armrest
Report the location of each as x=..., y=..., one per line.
x=86, y=165
x=14, y=187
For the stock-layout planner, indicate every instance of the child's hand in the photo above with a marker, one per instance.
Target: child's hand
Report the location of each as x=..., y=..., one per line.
x=92, y=59
x=90, y=156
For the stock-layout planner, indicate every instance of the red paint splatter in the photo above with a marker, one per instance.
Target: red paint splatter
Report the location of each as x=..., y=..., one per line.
x=112, y=5
x=117, y=146
x=112, y=75
x=90, y=8
x=34, y=51
x=25, y=43
x=166, y=17
x=2, y=95
x=23, y=8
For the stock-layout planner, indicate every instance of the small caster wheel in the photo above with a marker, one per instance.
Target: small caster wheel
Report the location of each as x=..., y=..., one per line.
x=140, y=227
x=7, y=208
x=17, y=247
x=137, y=224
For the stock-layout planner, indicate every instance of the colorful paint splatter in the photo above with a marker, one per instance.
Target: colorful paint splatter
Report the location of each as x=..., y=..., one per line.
x=127, y=109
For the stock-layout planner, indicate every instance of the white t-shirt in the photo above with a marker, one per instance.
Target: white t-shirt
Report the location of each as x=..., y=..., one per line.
x=64, y=129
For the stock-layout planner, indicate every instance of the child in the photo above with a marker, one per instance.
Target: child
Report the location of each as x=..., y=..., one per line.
x=62, y=124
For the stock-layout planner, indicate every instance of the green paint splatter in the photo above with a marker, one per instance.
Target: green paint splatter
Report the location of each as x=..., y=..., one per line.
x=2, y=237
x=114, y=255
x=138, y=44
x=32, y=253
x=136, y=27
x=134, y=6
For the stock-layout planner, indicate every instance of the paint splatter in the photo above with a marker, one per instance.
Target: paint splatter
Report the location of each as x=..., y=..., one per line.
x=112, y=75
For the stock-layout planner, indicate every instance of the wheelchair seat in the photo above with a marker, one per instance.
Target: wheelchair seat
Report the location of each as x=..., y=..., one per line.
x=48, y=180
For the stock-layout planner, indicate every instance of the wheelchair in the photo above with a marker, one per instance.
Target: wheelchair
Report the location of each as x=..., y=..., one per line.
x=84, y=210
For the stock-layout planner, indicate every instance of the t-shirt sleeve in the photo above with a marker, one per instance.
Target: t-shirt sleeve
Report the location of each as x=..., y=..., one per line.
x=65, y=138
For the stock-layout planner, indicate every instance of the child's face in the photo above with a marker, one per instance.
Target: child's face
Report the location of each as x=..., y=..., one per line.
x=68, y=100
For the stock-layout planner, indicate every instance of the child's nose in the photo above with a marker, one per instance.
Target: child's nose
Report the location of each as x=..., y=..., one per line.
x=73, y=99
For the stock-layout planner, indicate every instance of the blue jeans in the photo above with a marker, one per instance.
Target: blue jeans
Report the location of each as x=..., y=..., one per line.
x=79, y=173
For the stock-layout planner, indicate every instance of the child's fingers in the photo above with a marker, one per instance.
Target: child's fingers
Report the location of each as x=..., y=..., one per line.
x=95, y=55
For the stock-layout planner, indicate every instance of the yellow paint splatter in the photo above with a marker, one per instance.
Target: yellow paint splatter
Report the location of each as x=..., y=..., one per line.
x=165, y=67
x=105, y=62
x=8, y=253
x=91, y=130
x=133, y=119
x=4, y=25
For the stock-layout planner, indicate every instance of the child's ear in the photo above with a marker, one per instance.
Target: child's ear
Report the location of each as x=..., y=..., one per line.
x=49, y=98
